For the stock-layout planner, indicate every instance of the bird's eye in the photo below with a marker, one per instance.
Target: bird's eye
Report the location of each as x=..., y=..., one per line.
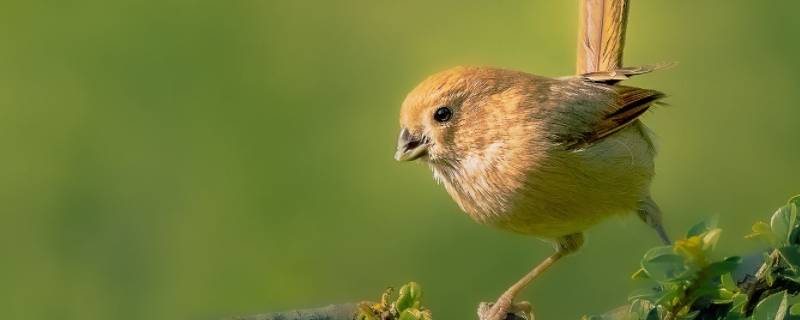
x=442, y=114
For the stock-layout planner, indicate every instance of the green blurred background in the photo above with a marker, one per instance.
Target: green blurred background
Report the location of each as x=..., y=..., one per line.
x=196, y=159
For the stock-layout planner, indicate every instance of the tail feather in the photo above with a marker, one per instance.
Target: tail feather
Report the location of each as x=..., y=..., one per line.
x=621, y=74
x=650, y=213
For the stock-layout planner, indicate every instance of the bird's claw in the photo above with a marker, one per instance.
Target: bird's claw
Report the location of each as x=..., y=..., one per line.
x=516, y=311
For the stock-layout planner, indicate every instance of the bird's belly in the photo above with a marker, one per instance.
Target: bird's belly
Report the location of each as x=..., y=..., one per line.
x=577, y=189
x=560, y=220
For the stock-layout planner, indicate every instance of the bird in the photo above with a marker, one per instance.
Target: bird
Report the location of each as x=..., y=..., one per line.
x=539, y=156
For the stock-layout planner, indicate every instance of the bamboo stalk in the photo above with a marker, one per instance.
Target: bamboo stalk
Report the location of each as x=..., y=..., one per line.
x=601, y=34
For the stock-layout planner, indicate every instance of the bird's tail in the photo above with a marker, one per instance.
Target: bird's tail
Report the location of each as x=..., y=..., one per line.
x=621, y=74
x=650, y=213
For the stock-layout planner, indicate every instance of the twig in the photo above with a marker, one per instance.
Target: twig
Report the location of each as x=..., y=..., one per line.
x=333, y=312
x=760, y=287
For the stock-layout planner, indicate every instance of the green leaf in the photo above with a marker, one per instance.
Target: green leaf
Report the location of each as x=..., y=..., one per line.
x=703, y=227
x=708, y=289
x=410, y=297
x=729, y=283
x=662, y=264
x=794, y=237
x=739, y=301
x=794, y=234
x=723, y=296
x=783, y=222
x=723, y=267
x=795, y=200
x=410, y=314
x=791, y=254
x=763, y=232
x=640, y=274
x=773, y=307
x=795, y=310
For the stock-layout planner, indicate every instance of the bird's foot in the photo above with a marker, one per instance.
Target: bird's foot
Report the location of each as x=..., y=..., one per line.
x=504, y=309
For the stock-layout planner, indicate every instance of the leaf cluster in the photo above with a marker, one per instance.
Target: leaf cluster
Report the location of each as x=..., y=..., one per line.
x=407, y=306
x=685, y=281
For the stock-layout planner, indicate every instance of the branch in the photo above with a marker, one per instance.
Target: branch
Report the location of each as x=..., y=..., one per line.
x=332, y=312
x=345, y=311
x=601, y=35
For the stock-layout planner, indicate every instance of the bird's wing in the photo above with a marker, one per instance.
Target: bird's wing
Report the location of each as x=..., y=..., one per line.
x=630, y=104
x=607, y=117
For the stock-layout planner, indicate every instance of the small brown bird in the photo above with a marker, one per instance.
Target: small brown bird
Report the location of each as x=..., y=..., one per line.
x=534, y=155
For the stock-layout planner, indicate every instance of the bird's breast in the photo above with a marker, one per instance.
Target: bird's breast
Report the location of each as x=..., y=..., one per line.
x=485, y=183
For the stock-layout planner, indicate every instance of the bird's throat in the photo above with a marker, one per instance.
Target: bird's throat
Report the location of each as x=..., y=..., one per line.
x=478, y=185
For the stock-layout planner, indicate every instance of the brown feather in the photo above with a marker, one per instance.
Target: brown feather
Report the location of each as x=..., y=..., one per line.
x=630, y=104
x=621, y=74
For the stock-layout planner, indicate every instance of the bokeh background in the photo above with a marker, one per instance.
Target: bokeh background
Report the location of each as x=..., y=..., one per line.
x=196, y=159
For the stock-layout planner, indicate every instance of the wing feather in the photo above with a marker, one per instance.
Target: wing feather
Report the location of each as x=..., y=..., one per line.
x=629, y=103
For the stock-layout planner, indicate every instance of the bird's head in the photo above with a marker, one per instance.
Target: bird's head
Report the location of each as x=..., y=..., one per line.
x=474, y=127
x=456, y=111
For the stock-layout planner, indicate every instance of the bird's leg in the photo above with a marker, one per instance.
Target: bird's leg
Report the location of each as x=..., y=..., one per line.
x=499, y=310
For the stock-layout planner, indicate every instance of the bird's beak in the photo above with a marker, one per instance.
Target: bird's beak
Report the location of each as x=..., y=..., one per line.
x=410, y=147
